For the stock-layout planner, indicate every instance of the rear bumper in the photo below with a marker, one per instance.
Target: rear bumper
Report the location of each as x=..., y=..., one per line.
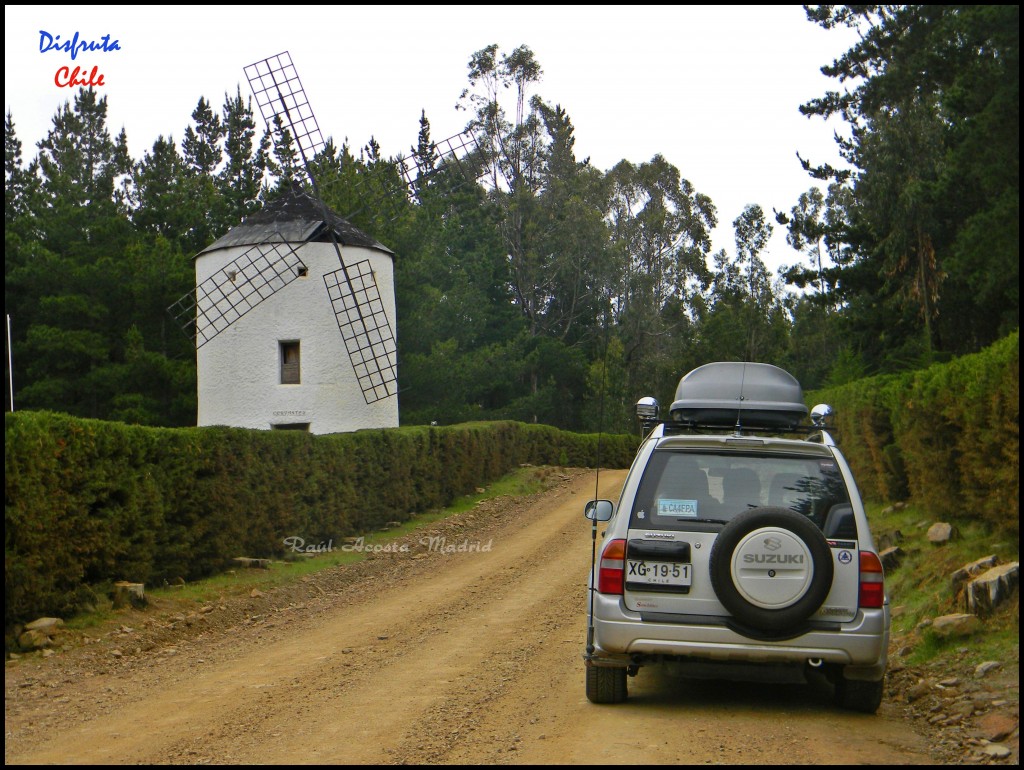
x=621, y=637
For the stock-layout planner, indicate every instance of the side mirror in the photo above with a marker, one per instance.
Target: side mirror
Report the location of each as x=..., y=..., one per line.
x=599, y=510
x=647, y=409
x=820, y=415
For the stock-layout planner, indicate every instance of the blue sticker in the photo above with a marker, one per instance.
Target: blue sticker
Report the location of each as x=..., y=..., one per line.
x=684, y=508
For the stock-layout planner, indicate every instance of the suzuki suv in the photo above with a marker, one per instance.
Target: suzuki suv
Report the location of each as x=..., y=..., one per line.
x=739, y=538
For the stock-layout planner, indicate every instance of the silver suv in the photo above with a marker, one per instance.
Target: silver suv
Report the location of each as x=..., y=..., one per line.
x=739, y=538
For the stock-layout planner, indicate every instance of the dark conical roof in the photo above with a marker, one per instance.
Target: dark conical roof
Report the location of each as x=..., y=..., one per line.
x=295, y=217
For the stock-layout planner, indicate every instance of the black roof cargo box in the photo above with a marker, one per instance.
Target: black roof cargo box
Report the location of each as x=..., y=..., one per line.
x=729, y=393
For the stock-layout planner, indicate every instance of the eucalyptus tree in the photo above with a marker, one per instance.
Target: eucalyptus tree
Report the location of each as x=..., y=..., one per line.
x=660, y=237
x=512, y=153
x=549, y=213
x=747, y=318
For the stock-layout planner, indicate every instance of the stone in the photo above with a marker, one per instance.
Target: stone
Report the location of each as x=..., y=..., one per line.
x=984, y=668
x=245, y=561
x=996, y=751
x=889, y=539
x=996, y=725
x=918, y=691
x=940, y=533
x=963, y=708
x=960, y=624
x=129, y=594
x=973, y=569
x=46, y=625
x=891, y=558
x=993, y=587
x=33, y=640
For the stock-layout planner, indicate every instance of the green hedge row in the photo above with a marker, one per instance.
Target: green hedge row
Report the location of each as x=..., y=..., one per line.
x=89, y=502
x=946, y=437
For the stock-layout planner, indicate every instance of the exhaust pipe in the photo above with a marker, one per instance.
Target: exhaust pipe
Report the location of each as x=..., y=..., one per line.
x=814, y=662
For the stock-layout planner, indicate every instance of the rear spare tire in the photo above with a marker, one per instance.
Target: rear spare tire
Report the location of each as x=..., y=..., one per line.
x=771, y=568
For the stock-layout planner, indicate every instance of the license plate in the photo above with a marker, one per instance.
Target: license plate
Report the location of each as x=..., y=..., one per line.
x=658, y=573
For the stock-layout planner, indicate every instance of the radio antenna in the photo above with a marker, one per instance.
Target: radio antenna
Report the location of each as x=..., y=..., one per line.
x=597, y=481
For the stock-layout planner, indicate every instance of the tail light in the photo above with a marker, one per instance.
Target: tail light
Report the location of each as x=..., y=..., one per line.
x=872, y=585
x=612, y=569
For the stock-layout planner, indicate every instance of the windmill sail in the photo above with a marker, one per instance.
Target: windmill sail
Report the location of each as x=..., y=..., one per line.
x=236, y=289
x=364, y=327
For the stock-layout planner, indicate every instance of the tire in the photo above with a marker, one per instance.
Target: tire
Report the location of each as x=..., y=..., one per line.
x=606, y=685
x=792, y=527
x=856, y=695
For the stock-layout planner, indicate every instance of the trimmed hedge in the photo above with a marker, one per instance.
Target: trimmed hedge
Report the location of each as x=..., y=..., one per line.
x=946, y=437
x=89, y=502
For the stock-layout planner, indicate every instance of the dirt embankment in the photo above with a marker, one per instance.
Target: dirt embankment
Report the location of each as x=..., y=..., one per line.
x=461, y=649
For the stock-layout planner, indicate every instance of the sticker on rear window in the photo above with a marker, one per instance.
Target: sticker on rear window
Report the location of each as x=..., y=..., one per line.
x=685, y=508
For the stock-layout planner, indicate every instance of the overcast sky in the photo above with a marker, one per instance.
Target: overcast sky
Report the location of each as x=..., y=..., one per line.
x=713, y=89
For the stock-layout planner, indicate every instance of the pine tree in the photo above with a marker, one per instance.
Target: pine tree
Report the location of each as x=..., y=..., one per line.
x=240, y=180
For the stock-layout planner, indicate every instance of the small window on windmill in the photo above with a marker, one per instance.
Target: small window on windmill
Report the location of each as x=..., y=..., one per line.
x=302, y=271
x=290, y=362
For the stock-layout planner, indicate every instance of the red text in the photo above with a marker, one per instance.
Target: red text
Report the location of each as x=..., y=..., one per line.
x=72, y=78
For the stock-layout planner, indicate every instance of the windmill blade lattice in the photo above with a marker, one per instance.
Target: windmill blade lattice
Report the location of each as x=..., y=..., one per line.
x=448, y=150
x=361, y=319
x=413, y=172
x=279, y=93
x=364, y=327
x=236, y=289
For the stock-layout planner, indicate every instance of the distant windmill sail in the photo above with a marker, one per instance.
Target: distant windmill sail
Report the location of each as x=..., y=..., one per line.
x=414, y=171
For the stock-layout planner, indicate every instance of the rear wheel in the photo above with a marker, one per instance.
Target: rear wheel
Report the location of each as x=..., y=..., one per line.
x=861, y=696
x=606, y=685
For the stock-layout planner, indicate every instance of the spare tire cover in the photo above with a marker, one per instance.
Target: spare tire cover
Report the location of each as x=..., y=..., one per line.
x=771, y=568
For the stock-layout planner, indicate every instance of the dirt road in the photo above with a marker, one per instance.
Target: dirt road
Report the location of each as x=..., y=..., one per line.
x=429, y=656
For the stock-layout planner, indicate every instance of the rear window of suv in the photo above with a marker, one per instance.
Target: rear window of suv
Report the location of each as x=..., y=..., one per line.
x=680, y=487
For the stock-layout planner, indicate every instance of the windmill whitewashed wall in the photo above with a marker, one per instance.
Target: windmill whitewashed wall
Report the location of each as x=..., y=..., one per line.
x=247, y=376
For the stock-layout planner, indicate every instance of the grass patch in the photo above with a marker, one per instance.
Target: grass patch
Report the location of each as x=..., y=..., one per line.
x=921, y=588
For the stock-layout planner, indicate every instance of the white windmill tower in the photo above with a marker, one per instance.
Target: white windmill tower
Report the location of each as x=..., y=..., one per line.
x=268, y=349
x=284, y=365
